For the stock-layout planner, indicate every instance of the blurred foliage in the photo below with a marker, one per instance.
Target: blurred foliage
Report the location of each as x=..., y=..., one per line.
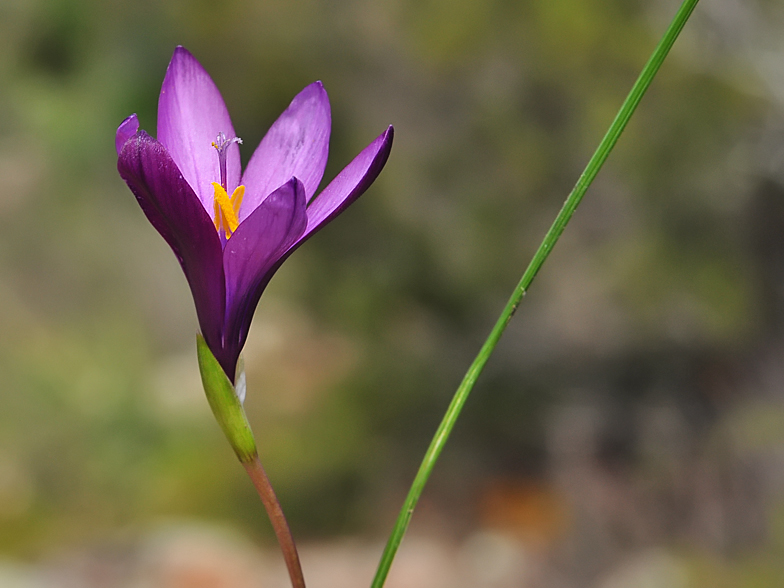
x=666, y=290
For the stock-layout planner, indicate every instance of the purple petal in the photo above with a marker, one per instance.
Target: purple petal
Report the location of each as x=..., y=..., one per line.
x=296, y=145
x=174, y=210
x=255, y=248
x=349, y=184
x=125, y=131
x=191, y=113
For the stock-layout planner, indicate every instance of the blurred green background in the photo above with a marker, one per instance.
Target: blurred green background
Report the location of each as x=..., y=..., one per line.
x=634, y=411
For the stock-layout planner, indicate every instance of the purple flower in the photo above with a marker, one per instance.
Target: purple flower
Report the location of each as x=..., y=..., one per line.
x=231, y=231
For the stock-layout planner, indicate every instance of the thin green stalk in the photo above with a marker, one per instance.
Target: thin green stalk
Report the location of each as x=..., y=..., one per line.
x=576, y=195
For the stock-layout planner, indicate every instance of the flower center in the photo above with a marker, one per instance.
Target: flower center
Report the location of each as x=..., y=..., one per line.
x=227, y=209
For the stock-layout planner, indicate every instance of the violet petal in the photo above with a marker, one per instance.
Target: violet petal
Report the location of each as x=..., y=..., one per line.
x=175, y=211
x=349, y=184
x=255, y=248
x=296, y=145
x=191, y=113
x=125, y=131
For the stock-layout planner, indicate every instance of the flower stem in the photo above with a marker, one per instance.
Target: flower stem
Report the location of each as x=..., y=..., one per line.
x=260, y=480
x=461, y=395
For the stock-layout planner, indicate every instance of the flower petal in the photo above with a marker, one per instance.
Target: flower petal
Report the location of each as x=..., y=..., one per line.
x=254, y=250
x=349, y=184
x=191, y=113
x=174, y=210
x=125, y=131
x=296, y=145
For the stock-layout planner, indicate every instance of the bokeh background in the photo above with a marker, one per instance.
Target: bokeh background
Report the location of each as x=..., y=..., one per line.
x=629, y=430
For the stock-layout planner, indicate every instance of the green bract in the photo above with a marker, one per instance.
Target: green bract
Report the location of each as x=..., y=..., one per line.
x=225, y=403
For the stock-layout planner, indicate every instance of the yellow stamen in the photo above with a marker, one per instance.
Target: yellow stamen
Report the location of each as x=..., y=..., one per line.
x=236, y=199
x=227, y=209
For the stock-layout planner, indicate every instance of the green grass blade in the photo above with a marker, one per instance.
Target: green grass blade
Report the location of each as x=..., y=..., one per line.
x=552, y=236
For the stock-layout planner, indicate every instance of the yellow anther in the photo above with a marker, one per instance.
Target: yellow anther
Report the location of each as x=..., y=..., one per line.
x=227, y=209
x=236, y=199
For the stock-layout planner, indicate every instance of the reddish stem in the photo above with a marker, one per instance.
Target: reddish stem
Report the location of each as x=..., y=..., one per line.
x=260, y=480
